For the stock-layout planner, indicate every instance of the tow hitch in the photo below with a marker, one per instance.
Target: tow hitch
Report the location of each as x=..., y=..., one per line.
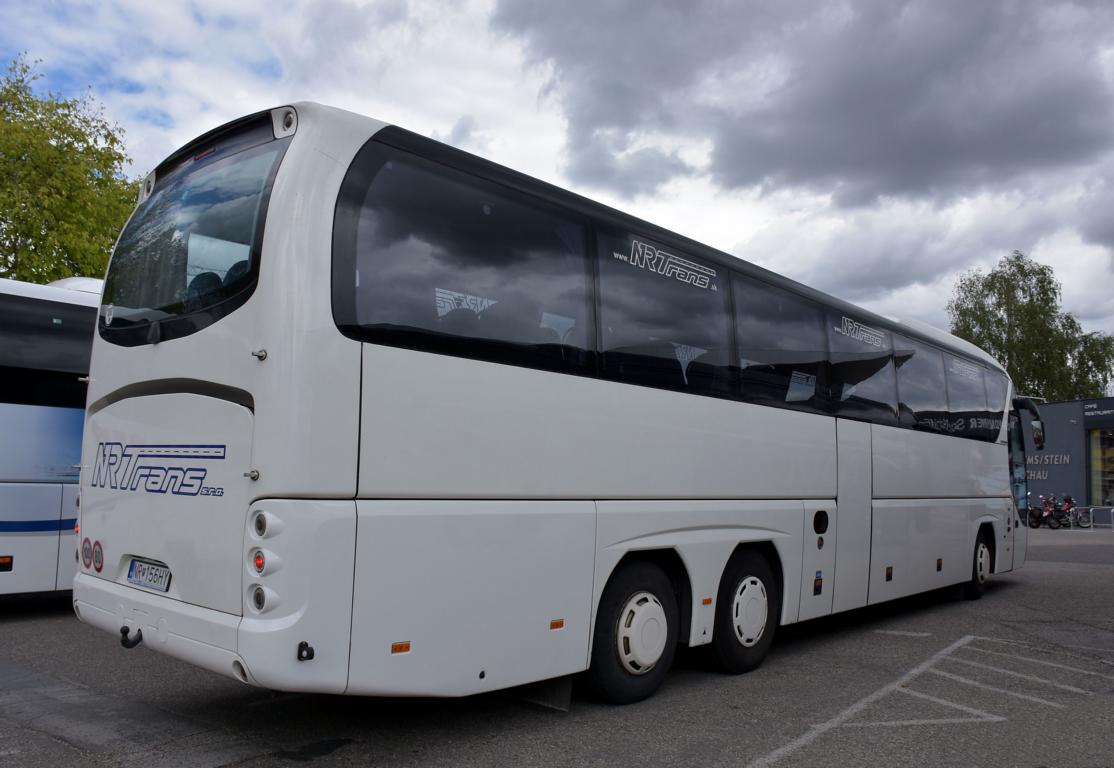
x=128, y=642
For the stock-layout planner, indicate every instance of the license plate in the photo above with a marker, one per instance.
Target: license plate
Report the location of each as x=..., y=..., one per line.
x=149, y=575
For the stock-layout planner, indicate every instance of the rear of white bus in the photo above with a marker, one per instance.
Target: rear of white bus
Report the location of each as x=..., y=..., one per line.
x=219, y=457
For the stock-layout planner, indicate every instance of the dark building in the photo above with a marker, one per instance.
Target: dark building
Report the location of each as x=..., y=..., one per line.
x=1078, y=457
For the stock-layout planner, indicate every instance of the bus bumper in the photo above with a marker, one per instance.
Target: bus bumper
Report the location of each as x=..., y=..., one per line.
x=298, y=640
x=200, y=636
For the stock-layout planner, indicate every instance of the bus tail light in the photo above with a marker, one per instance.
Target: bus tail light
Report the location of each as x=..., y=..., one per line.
x=258, y=561
x=262, y=599
x=264, y=525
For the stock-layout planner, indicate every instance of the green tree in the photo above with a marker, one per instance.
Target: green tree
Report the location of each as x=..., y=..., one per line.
x=63, y=192
x=1013, y=312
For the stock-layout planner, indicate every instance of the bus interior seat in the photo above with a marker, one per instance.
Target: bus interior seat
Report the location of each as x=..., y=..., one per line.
x=235, y=272
x=201, y=289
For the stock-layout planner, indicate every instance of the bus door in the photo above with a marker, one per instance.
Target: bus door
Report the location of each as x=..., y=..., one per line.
x=1018, y=468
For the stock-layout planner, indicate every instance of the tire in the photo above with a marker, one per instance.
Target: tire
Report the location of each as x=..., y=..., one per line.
x=622, y=671
x=741, y=638
x=1083, y=518
x=981, y=562
x=1053, y=521
x=1034, y=519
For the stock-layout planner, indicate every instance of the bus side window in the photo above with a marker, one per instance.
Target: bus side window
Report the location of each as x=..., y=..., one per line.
x=996, y=386
x=967, y=410
x=783, y=353
x=451, y=263
x=664, y=317
x=922, y=396
x=862, y=370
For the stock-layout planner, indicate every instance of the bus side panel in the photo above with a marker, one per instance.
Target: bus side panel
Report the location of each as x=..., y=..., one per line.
x=921, y=465
x=484, y=595
x=923, y=544
x=30, y=518
x=704, y=534
x=435, y=426
x=67, y=539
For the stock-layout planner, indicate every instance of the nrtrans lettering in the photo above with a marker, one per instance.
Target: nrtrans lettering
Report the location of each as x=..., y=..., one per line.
x=156, y=468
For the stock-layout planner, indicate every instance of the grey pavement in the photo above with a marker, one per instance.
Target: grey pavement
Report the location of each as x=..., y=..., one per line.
x=1023, y=677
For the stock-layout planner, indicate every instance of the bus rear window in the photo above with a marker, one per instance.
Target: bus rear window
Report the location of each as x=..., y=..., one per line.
x=190, y=253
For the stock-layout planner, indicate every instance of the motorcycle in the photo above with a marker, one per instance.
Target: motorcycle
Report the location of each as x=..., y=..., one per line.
x=1079, y=517
x=1056, y=513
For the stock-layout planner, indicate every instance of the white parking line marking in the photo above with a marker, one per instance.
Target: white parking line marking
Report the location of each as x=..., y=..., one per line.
x=1036, y=645
x=962, y=707
x=902, y=723
x=843, y=719
x=977, y=684
x=1023, y=676
x=817, y=731
x=1041, y=661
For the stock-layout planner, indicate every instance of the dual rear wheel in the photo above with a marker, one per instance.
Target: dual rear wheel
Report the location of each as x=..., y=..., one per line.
x=638, y=622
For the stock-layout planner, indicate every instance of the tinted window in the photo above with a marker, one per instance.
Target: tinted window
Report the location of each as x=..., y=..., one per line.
x=862, y=370
x=434, y=259
x=664, y=320
x=996, y=385
x=782, y=347
x=967, y=406
x=189, y=254
x=24, y=386
x=921, y=391
x=45, y=335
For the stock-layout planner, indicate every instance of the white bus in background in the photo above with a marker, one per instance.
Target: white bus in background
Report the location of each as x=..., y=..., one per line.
x=46, y=334
x=371, y=415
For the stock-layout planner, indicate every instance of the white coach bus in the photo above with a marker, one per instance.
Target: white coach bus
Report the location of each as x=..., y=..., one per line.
x=371, y=415
x=46, y=334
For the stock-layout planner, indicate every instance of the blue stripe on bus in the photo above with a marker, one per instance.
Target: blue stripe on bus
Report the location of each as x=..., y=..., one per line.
x=37, y=526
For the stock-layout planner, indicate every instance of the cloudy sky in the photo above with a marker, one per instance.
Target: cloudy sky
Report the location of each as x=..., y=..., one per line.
x=874, y=150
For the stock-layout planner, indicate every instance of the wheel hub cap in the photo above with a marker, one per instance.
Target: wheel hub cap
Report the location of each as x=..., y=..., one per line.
x=642, y=633
x=982, y=563
x=748, y=611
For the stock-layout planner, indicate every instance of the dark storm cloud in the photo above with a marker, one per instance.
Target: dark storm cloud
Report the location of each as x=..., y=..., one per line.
x=863, y=100
x=1097, y=211
x=623, y=70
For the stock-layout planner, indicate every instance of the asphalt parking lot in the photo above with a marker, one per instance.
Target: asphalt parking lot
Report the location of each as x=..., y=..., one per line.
x=1024, y=677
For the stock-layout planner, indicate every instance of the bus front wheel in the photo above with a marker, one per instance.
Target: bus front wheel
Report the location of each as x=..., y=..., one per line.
x=747, y=611
x=980, y=568
x=635, y=636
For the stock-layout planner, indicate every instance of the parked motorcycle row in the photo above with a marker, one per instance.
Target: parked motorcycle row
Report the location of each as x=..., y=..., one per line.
x=1055, y=513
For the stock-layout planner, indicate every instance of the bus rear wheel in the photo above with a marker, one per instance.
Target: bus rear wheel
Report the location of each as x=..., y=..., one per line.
x=635, y=636
x=747, y=611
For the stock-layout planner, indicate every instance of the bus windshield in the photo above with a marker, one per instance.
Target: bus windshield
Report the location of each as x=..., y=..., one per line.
x=191, y=247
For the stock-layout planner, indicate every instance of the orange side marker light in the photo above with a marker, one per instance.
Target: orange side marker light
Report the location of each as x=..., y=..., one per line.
x=403, y=647
x=707, y=601
x=557, y=624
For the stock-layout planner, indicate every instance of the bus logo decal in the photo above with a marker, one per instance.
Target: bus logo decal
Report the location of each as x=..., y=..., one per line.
x=646, y=256
x=686, y=355
x=447, y=301
x=156, y=468
x=853, y=329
